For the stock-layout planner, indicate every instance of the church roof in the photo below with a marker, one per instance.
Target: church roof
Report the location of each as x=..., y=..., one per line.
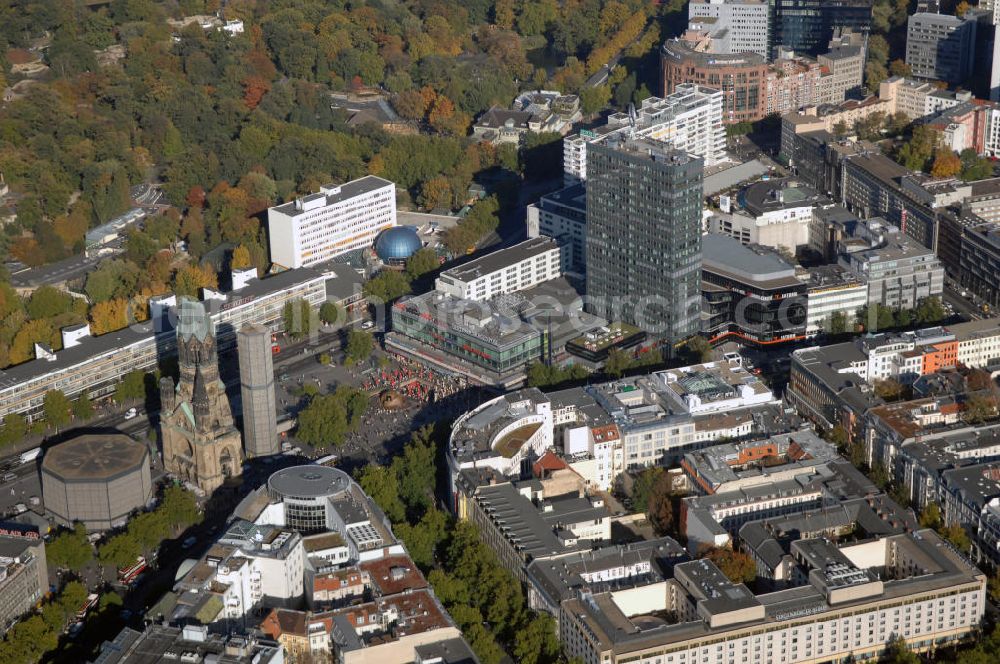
x=193, y=320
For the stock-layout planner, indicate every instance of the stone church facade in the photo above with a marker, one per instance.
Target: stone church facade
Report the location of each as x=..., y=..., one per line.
x=200, y=441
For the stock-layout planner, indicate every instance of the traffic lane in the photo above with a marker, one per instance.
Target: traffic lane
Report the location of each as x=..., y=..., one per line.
x=960, y=304
x=20, y=490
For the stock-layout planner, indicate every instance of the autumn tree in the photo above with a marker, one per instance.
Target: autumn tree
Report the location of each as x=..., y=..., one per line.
x=738, y=567
x=410, y=105
x=190, y=279
x=108, y=316
x=946, y=164
x=241, y=258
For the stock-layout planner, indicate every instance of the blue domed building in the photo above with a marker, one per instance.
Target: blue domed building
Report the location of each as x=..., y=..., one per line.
x=395, y=245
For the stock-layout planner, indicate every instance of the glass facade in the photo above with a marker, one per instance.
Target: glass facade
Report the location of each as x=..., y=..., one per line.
x=499, y=352
x=806, y=26
x=306, y=517
x=644, y=236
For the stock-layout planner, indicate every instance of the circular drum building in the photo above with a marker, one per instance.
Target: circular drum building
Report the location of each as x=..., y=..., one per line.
x=395, y=245
x=98, y=479
x=306, y=493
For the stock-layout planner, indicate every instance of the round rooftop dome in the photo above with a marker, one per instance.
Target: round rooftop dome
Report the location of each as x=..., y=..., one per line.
x=397, y=244
x=308, y=481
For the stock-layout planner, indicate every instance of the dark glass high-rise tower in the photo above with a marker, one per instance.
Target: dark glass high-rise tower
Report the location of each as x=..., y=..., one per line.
x=806, y=26
x=644, y=236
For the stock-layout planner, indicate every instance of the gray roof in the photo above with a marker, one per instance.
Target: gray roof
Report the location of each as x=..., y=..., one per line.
x=346, y=191
x=91, y=347
x=780, y=194
x=94, y=457
x=564, y=577
x=447, y=651
x=501, y=259
x=729, y=178
x=310, y=481
x=750, y=263
x=530, y=529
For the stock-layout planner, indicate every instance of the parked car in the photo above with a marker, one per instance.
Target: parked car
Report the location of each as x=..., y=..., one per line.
x=130, y=413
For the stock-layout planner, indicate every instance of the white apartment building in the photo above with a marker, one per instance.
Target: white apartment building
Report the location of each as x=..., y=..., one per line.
x=746, y=24
x=917, y=99
x=978, y=342
x=523, y=266
x=335, y=221
x=250, y=566
x=832, y=290
x=690, y=120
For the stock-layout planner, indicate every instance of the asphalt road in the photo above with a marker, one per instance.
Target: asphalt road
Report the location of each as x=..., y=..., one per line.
x=64, y=270
x=962, y=305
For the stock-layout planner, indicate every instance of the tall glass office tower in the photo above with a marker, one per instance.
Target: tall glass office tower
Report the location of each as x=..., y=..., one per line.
x=806, y=26
x=644, y=236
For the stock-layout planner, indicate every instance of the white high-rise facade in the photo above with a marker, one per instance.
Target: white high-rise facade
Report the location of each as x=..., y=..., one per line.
x=689, y=120
x=335, y=221
x=745, y=23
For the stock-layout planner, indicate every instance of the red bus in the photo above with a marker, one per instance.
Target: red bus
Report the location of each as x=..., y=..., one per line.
x=127, y=575
x=87, y=606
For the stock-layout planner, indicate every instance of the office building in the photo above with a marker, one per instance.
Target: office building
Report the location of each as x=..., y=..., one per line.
x=875, y=186
x=741, y=25
x=392, y=629
x=491, y=342
x=741, y=77
x=832, y=290
x=728, y=467
x=188, y=643
x=845, y=67
x=248, y=568
x=24, y=576
x=521, y=523
x=644, y=236
x=751, y=294
x=940, y=47
x=771, y=213
x=917, y=99
x=618, y=568
x=807, y=26
x=96, y=479
x=833, y=384
x=979, y=261
x=562, y=216
x=201, y=444
x=899, y=272
x=97, y=364
x=769, y=540
x=517, y=268
x=840, y=607
x=689, y=119
x=337, y=220
x=603, y=430
x=260, y=427
x=715, y=519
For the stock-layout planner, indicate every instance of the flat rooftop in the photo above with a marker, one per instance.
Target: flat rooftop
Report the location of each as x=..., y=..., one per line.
x=781, y=194
x=309, y=481
x=498, y=260
x=749, y=263
x=94, y=457
x=336, y=194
